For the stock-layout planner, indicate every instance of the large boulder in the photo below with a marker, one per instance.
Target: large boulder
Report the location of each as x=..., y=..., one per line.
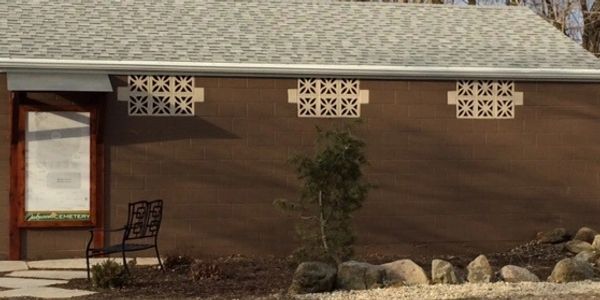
x=589, y=256
x=512, y=273
x=570, y=269
x=585, y=234
x=404, y=272
x=577, y=246
x=596, y=242
x=443, y=272
x=479, y=270
x=313, y=277
x=553, y=236
x=353, y=275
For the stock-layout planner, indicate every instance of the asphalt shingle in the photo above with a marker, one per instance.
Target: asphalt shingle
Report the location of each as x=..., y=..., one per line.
x=286, y=32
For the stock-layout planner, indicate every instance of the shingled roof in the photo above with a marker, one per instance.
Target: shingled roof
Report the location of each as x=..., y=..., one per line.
x=274, y=35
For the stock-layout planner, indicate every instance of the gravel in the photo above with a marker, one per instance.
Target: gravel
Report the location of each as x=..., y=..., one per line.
x=497, y=290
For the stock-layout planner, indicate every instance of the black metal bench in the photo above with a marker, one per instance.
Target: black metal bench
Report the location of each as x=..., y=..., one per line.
x=143, y=223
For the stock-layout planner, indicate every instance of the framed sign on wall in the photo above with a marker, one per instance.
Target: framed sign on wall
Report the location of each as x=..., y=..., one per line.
x=58, y=182
x=57, y=166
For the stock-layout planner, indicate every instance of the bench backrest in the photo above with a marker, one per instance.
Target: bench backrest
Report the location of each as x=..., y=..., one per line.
x=143, y=219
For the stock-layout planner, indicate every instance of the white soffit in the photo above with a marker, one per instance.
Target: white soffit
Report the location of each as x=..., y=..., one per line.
x=66, y=82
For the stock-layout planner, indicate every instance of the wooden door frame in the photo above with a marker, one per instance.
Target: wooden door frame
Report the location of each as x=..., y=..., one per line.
x=19, y=107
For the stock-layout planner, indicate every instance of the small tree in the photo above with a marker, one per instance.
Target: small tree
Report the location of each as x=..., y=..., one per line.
x=332, y=189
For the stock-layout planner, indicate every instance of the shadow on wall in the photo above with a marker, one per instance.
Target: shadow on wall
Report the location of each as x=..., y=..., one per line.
x=219, y=205
x=444, y=185
x=456, y=186
x=125, y=130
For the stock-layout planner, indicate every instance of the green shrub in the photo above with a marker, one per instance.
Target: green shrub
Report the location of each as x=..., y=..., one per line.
x=109, y=274
x=202, y=270
x=332, y=189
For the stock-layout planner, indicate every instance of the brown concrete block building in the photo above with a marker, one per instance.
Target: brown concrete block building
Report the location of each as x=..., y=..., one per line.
x=482, y=123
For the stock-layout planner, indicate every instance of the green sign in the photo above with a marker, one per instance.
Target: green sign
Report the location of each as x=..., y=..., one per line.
x=57, y=216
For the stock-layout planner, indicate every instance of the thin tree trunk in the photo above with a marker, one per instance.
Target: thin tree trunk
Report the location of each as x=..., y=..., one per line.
x=323, y=223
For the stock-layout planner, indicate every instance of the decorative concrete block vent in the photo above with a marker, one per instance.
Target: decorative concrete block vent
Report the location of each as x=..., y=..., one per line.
x=328, y=98
x=160, y=95
x=485, y=99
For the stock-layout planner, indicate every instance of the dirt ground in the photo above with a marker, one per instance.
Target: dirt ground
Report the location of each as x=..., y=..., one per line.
x=238, y=277
x=231, y=277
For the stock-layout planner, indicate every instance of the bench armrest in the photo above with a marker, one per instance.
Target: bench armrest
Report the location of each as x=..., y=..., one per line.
x=92, y=230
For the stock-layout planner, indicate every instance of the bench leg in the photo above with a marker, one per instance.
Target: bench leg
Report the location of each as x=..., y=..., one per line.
x=87, y=263
x=158, y=257
x=125, y=263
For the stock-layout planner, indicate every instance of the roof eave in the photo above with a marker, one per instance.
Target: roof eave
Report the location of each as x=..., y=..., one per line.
x=295, y=70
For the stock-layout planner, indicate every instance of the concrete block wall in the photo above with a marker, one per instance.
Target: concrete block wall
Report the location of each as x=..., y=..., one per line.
x=450, y=185
x=218, y=171
x=443, y=185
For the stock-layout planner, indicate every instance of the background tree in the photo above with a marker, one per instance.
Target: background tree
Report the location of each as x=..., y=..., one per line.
x=591, y=27
x=332, y=189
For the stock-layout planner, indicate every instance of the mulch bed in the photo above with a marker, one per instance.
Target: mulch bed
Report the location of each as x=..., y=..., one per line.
x=238, y=277
x=230, y=277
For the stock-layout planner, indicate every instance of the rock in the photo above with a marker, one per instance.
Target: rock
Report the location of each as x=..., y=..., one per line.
x=313, y=277
x=596, y=242
x=353, y=275
x=588, y=256
x=443, y=272
x=555, y=235
x=570, y=269
x=577, y=246
x=404, y=272
x=479, y=270
x=596, y=263
x=585, y=234
x=512, y=273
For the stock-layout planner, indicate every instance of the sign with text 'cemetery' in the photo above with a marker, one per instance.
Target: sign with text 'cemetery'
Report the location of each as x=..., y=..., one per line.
x=57, y=166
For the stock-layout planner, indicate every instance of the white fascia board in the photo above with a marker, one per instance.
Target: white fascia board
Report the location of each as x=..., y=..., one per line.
x=294, y=70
